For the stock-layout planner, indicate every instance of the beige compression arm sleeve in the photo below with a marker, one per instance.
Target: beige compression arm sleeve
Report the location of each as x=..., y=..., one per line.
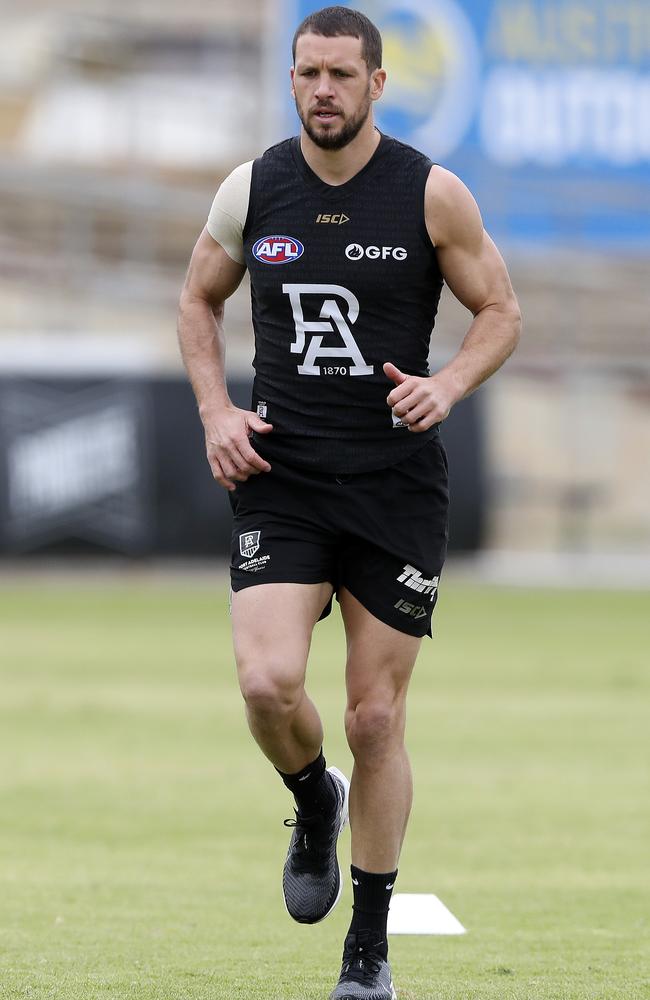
x=228, y=213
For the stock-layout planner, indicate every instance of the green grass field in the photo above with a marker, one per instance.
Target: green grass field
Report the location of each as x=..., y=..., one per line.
x=141, y=837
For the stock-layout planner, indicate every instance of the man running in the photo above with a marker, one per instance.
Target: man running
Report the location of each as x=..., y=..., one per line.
x=337, y=475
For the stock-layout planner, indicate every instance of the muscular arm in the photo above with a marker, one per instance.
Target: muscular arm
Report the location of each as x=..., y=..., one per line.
x=476, y=274
x=212, y=277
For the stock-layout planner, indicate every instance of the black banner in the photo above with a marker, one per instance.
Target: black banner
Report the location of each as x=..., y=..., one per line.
x=118, y=465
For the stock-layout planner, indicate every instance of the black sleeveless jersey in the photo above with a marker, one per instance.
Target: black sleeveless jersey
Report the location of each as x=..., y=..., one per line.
x=343, y=279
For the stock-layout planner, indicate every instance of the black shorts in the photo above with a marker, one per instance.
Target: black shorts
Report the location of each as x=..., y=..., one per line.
x=381, y=534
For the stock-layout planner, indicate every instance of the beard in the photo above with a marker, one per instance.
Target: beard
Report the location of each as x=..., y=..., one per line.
x=331, y=139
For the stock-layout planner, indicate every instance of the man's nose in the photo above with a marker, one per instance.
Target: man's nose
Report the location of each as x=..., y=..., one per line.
x=324, y=88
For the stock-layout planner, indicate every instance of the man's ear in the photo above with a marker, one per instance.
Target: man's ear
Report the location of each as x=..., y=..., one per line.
x=292, y=73
x=377, y=81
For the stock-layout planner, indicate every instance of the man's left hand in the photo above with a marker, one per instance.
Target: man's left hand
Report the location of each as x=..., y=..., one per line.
x=419, y=402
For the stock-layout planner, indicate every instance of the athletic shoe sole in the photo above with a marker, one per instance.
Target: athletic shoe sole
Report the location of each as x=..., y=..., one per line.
x=351, y=996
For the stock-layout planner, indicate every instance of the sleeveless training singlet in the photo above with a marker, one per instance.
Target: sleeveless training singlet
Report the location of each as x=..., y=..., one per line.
x=343, y=279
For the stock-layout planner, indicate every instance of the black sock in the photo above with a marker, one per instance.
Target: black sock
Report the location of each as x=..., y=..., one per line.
x=372, y=894
x=312, y=788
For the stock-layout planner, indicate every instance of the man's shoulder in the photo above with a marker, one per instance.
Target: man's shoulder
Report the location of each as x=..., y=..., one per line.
x=445, y=187
x=449, y=208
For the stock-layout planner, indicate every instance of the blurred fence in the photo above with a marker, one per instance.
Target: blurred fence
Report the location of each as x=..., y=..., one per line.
x=117, y=123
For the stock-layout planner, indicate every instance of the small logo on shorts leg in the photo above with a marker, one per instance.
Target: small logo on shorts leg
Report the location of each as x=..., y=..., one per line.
x=249, y=543
x=413, y=610
x=411, y=577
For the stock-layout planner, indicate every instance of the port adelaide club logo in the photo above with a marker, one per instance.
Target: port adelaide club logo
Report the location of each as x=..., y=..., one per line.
x=249, y=543
x=278, y=249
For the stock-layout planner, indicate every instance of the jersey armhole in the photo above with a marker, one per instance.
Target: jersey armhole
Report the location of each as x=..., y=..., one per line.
x=422, y=227
x=252, y=200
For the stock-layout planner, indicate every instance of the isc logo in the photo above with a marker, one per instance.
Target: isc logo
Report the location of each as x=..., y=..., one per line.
x=278, y=249
x=338, y=219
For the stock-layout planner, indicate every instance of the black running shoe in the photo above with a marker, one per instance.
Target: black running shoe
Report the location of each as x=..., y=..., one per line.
x=311, y=880
x=365, y=973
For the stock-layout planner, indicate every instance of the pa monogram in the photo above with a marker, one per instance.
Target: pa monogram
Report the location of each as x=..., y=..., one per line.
x=345, y=358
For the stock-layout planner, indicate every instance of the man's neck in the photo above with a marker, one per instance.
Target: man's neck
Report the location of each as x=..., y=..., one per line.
x=336, y=166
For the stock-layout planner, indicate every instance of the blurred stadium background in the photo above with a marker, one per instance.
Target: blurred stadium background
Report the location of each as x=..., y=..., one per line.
x=125, y=869
x=117, y=122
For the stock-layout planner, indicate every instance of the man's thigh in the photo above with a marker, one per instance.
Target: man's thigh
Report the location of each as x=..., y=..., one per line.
x=272, y=625
x=380, y=659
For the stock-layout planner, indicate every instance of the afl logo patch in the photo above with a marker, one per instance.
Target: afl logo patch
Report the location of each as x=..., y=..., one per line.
x=278, y=249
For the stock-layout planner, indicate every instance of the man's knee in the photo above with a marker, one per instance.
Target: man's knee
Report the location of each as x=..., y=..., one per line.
x=268, y=694
x=374, y=726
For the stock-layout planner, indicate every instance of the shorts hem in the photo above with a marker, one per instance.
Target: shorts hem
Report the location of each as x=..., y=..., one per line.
x=237, y=584
x=380, y=616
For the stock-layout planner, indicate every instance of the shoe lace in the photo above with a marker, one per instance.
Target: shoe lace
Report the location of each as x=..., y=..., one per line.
x=311, y=849
x=361, y=963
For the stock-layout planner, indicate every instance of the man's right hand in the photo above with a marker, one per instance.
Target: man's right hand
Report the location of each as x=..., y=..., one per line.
x=230, y=454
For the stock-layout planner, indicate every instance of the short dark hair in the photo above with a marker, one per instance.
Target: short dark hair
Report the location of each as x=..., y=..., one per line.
x=332, y=21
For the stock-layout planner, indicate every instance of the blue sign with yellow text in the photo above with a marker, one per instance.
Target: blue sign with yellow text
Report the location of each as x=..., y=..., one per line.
x=542, y=107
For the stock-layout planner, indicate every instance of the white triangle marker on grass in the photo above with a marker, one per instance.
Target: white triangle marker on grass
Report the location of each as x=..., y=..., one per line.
x=421, y=913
